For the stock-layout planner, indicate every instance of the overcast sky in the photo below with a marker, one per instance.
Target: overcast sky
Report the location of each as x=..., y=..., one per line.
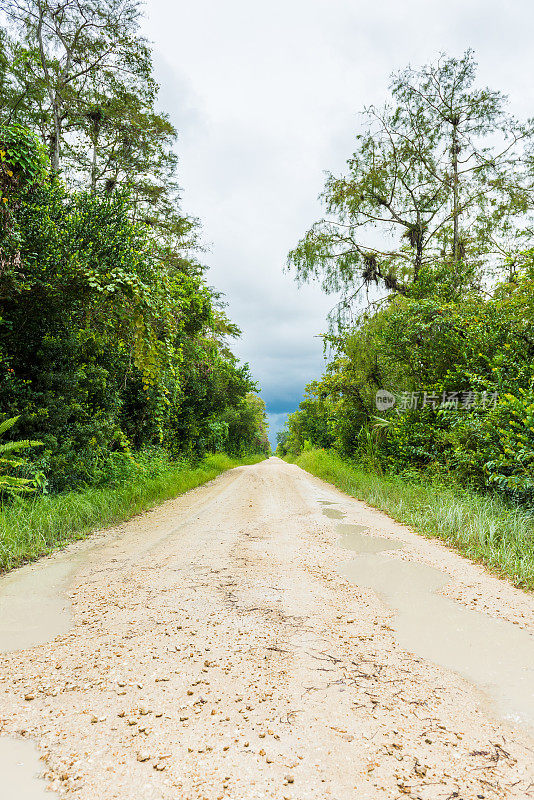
x=265, y=96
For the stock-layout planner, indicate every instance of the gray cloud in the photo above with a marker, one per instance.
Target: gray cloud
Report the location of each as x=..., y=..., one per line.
x=266, y=96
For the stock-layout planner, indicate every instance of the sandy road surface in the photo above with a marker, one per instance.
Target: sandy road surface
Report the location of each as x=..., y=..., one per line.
x=217, y=651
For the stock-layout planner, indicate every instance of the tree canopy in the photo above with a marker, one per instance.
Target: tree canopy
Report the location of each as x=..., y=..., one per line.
x=438, y=189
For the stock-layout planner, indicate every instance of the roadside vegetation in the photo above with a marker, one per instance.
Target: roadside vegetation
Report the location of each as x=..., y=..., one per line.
x=428, y=241
x=115, y=351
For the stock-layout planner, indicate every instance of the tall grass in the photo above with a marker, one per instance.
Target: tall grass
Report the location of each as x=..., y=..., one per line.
x=30, y=528
x=482, y=527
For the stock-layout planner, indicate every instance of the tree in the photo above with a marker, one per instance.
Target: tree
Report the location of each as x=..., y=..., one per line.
x=434, y=184
x=65, y=45
x=81, y=75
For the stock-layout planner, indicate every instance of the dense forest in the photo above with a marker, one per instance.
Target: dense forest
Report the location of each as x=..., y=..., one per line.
x=427, y=240
x=112, y=343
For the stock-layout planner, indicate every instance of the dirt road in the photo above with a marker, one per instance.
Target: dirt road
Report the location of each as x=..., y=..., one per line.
x=221, y=647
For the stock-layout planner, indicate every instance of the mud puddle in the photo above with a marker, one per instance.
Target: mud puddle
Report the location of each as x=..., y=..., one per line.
x=19, y=768
x=493, y=654
x=34, y=605
x=356, y=537
x=333, y=513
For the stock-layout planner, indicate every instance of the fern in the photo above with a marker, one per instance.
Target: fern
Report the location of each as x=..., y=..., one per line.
x=11, y=483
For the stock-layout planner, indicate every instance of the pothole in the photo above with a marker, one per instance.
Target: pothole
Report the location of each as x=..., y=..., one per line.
x=493, y=654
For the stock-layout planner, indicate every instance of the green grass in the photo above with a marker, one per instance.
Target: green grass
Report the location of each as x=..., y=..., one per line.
x=32, y=527
x=482, y=527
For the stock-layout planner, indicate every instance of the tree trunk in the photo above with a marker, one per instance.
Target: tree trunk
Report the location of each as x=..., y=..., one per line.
x=93, y=170
x=55, y=136
x=55, y=141
x=455, y=193
x=94, y=160
x=418, y=251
